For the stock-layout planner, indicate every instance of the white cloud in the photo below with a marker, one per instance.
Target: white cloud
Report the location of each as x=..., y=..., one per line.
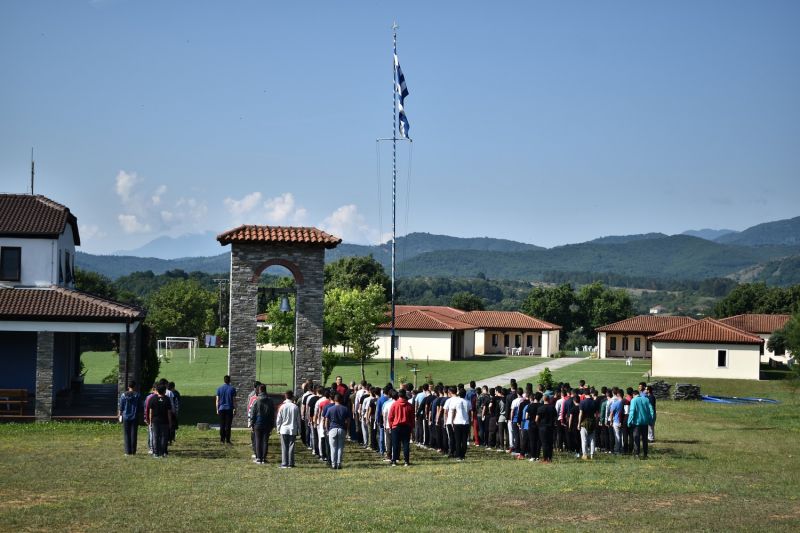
x=346, y=222
x=156, y=198
x=131, y=224
x=126, y=181
x=281, y=209
x=91, y=231
x=239, y=208
x=150, y=209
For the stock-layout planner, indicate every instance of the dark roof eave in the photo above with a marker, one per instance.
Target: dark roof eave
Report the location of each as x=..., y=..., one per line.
x=62, y=318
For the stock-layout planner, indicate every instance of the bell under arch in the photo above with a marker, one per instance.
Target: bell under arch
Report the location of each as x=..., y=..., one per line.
x=254, y=249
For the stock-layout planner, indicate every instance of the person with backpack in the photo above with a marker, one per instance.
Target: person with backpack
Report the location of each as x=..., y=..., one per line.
x=160, y=417
x=262, y=420
x=129, y=409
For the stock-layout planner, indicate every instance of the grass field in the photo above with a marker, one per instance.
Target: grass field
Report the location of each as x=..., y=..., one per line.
x=713, y=467
x=204, y=375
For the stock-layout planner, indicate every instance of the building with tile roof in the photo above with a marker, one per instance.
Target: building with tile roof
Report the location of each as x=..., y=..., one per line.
x=763, y=326
x=628, y=338
x=41, y=314
x=707, y=348
x=445, y=333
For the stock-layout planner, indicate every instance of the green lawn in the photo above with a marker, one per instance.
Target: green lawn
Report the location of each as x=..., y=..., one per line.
x=204, y=375
x=713, y=467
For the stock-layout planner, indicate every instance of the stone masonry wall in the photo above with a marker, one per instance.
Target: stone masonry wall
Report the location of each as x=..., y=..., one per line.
x=246, y=260
x=45, y=348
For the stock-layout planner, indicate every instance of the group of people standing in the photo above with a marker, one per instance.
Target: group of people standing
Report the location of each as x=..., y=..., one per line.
x=528, y=422
x=159, y=411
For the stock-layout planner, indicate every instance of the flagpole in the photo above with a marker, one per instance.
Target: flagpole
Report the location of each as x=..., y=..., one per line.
x=394, y=189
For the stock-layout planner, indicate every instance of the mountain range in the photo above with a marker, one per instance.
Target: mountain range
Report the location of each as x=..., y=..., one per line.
x=768, y=252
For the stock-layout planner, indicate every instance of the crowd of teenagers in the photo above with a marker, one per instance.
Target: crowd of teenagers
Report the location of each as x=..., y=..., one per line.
x=159, y=409
x=528, y=422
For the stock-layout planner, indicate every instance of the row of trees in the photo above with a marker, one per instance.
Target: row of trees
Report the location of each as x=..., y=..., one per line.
x=759, y=298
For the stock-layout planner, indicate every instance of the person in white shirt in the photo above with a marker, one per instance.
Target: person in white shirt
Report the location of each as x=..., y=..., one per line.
x=288, y=426
x=459, y=411
x=448, y=421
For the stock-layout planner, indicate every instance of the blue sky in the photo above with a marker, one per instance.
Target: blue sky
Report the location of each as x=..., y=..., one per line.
x=544, y=122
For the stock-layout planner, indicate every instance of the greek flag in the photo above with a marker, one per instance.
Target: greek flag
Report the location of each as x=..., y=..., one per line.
x=402, y=92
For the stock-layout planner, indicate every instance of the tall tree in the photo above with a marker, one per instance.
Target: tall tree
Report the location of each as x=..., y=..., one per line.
x=182, y=308
x=283, y=324
x=551, y=304
x=357, y=273
x=599, y=305
x=466, y=301
x=365, y=311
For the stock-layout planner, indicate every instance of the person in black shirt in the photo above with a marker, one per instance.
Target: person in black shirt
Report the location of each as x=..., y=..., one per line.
x=545, y=420
x=262, y=420
x=160, y=416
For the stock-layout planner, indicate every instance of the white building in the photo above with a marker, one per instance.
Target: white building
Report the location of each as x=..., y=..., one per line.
x=41, y=315
x=629, y=337
x=706, y=349
x=446, y=334
x=763, y=326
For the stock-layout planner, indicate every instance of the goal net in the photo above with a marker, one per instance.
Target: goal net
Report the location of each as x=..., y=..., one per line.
x=174, y=346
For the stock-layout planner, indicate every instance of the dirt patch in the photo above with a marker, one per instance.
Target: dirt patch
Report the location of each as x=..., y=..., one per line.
x=16, y=500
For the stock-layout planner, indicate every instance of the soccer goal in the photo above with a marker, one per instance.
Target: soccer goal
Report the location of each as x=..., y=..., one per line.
x=173, y=346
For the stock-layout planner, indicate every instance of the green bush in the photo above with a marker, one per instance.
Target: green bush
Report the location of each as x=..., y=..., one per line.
x=546, y=379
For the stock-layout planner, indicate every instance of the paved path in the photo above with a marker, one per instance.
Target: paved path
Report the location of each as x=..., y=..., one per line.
x=525, y=374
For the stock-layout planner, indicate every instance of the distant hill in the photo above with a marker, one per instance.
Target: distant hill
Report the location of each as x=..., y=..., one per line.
x=780, y=232
x=708, y=234
x=781, y=272
x=189, y=245
x=675, y=257
x=619, y=239
x=414, y=244
x=766, y=251
x=114, y=266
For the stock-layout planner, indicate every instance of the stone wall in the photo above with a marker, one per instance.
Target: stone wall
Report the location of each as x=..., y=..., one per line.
x=128, y=364
x=45, y=349
x=248, y=261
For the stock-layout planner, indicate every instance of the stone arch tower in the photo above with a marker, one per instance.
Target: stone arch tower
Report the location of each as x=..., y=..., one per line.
x=254, y=249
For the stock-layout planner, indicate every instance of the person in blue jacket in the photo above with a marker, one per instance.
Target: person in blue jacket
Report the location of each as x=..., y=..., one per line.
x=640, y=416
x=129, y=410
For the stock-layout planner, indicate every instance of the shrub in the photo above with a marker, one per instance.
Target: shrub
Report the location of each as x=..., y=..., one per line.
x=546, y=379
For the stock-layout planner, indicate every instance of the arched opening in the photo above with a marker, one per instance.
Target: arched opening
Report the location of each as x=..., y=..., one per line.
x=276, y=324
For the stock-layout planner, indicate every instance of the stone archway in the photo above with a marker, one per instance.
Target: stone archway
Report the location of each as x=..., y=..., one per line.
x=253, y=250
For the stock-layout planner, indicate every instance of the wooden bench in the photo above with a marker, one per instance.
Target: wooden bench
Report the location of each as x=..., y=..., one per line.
x=13, y=401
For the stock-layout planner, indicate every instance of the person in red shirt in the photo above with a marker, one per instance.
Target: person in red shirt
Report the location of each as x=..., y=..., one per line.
x=401, y=422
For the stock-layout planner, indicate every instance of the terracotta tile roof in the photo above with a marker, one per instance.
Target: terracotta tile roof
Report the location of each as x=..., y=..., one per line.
x=707, y=330
x=438, y=309
x=27, y=215
x=505, y=320
x=757, y=323
x=425, y=320
x=278, y=234
x=60, y=304
x=646, y=324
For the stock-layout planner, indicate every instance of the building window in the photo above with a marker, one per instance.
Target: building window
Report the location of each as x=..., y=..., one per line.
x=613, y=343
x=649, y=346
x=722, y=358
x=396, y=342
x=505, y=340
x=637, y=344
x=517, y=341
x=540, y=341
x=67, y=268
x=624, y=344
x=529, y=341
x=10, y=263
x=494, y=339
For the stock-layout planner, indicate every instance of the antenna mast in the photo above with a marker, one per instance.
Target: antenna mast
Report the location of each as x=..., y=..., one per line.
x=32, y=171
